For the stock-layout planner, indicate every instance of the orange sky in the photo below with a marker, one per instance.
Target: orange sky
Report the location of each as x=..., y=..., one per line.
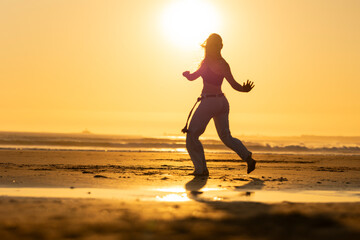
x=112, y=66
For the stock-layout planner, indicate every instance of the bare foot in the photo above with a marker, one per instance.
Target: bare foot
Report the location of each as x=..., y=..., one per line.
x=204, y=173
x=250, y=164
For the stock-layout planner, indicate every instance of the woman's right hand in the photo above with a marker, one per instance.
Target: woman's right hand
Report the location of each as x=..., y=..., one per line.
x=186, y=74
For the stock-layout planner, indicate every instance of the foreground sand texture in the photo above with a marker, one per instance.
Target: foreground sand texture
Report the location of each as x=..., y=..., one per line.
x=198, y=218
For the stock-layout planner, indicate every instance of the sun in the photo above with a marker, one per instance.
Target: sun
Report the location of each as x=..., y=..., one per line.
x=189, y=22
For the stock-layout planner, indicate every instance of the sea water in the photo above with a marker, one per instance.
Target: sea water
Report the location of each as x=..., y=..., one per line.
x=175, y=143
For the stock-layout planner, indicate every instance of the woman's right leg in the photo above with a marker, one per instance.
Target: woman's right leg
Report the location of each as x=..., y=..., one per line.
x=197, y=126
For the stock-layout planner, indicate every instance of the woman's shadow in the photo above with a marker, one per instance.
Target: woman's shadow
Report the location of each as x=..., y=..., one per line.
x=194, y=186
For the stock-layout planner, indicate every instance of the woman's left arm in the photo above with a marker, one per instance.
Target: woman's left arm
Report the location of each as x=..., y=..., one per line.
x=246, y=87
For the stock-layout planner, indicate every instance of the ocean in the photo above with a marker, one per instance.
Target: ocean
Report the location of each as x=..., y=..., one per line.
x=122, y=143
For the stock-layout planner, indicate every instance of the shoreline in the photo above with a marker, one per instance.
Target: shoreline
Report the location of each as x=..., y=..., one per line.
x=127, y=169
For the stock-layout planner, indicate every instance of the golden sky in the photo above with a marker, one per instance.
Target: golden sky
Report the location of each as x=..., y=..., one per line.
x=115, y=66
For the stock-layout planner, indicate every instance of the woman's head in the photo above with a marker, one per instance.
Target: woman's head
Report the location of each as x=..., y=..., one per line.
x=213, y=46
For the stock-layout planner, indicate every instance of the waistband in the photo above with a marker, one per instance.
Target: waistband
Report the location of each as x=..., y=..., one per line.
x=204, y=95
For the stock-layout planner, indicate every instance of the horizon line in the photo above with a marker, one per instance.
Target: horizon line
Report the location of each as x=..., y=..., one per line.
x=179, y=134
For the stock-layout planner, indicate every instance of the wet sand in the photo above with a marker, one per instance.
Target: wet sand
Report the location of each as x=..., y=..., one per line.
x=178, y=206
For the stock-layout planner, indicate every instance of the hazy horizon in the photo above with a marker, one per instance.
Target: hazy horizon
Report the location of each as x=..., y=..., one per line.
x=208, y=135
x=174, y=143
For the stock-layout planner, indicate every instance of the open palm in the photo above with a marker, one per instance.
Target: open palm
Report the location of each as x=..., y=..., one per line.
x=248, y=86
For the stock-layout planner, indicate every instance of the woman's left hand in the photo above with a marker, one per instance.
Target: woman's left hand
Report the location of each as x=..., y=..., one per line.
x=248, y=86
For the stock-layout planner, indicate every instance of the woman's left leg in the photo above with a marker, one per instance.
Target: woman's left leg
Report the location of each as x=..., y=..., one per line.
x=222, y=126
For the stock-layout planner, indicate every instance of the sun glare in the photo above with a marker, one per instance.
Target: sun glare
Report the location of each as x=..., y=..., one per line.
x=189, y=22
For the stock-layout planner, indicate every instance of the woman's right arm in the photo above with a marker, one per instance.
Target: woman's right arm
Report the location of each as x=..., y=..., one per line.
x=246, y=87
x=194, y=75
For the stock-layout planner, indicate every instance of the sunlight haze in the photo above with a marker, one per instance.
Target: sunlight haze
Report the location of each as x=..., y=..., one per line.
x=115, y=67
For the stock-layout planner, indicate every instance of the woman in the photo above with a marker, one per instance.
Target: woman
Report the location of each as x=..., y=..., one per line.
x=213, y=69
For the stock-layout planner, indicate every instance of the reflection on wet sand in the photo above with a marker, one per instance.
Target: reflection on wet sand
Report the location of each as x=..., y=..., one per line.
x=246, y=193
x=173, y=197
x=194, y=190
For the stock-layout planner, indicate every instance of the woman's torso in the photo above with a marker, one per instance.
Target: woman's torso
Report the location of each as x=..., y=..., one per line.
x=212, y=75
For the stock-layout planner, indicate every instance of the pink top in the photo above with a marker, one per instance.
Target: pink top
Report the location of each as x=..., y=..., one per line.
x=210, y=76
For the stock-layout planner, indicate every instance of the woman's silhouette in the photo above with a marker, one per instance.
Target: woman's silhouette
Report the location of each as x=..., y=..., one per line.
x=213, y=69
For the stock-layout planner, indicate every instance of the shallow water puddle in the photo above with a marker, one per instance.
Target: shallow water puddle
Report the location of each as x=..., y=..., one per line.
x=179, y=194
x=288, y=196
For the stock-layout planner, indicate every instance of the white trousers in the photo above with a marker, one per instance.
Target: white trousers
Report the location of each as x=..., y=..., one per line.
x=218, y=109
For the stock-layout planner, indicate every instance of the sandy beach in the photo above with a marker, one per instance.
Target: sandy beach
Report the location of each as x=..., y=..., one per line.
x=150, y=195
